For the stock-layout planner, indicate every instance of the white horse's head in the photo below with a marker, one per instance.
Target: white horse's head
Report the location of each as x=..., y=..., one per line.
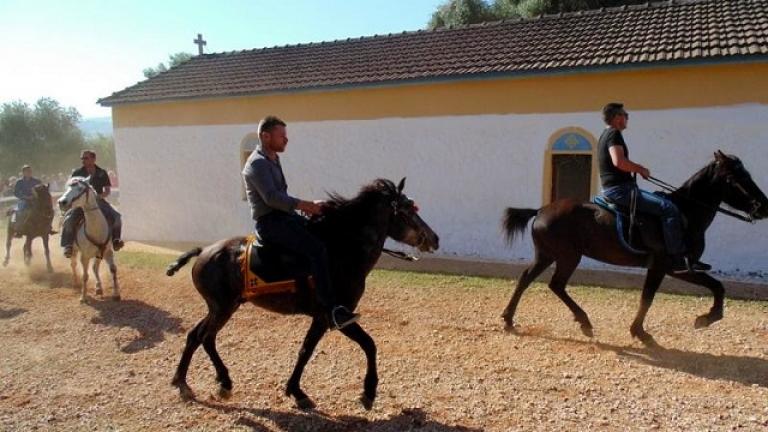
x=79, y=193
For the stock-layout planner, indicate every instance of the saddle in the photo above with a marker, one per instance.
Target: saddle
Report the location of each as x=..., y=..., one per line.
x=269, y=269
x=630, y=235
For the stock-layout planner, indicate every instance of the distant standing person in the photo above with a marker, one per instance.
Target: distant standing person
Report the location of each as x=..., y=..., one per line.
x=99, y=180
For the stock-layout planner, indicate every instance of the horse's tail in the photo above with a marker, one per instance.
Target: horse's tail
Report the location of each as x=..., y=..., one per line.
x=182, y=261
x=515, y=221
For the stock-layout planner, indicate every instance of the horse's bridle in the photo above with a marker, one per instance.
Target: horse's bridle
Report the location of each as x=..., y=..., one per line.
x=731, y=180
x=85, y=191
x=393, y=253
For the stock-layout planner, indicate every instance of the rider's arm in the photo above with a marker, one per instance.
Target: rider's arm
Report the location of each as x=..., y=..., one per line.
x=620, y=161
x=258, y=176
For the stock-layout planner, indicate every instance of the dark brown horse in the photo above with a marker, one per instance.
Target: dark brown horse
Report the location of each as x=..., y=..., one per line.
x=38, y=225
x=564, y=231
x=354, y=232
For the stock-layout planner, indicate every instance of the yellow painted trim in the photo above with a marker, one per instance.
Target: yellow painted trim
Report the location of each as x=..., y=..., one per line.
x=640, y=89
x=546, y=191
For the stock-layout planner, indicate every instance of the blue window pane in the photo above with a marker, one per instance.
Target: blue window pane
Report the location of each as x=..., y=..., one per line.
x=572, y=142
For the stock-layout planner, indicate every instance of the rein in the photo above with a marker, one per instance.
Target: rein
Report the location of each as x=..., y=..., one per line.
x=400, y=255
x=669, y=188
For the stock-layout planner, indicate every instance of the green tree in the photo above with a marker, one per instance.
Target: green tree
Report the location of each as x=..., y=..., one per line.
x=462, y=12
x=104, y=147
x=45, y=135
x=173, y=60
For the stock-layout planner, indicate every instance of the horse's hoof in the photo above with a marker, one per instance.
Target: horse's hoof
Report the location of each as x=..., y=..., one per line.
x=225, y=393
x=702, y=321
x=305, y=404
x=367, y=402
x=83, y=300
x=185, y=392
x=99, y=292
x=115, y=297
x=50, y=269
x=586, y=330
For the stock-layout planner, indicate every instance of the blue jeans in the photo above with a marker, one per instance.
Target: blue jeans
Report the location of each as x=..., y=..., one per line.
x=290, y=232
x=671, y=221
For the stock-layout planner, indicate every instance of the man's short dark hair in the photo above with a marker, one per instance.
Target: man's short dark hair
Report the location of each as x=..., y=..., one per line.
x=88, y=153
x=268, y=123
x=611, y=110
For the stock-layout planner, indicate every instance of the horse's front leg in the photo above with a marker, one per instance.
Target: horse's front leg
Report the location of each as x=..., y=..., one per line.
x=27, y=250
x=84, y=262
x=96, y=265
x=357, y=334
x=652, y=281
x=293, y=388
x=110, y=258
x=718, y=291
x=47, y=254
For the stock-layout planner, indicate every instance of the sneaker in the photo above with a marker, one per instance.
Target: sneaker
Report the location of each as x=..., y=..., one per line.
x=67, y=251
x=117, y=244
x=342, y=317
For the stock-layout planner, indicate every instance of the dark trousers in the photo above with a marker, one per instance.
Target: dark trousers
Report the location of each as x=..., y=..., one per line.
x=671, y=221
x=290, y=232
x=73, y=217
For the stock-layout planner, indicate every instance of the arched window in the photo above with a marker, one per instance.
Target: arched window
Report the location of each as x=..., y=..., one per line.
x=570, y=165
x=247, y=146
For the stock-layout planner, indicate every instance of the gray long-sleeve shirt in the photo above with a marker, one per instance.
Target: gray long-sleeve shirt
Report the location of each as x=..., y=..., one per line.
x=265, y=186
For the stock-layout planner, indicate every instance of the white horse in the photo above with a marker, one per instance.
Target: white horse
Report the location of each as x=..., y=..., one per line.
x=94, y=239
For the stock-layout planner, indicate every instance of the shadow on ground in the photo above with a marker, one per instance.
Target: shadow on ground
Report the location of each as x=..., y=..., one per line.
x=150, y=322
x=408, y=419
x=742, y=369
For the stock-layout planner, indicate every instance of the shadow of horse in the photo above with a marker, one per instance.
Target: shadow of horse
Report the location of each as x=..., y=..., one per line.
x=152, y=323
x=408, y=419
x=11, y=313
x=742, y=369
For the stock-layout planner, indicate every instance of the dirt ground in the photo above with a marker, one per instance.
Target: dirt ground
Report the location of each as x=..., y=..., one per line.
x=445, y=362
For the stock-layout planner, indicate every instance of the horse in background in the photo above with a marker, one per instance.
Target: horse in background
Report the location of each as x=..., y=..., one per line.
x=38, y=224
x=354, y=231
x=565, y=230
x=94, y=238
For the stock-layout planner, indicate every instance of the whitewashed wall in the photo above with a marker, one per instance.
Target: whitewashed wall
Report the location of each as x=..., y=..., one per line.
x=183, y=183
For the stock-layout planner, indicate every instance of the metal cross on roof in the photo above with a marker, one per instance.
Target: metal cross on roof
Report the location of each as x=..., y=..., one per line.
x=200, y=43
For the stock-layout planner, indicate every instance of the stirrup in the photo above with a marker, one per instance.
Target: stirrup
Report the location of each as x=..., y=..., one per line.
x=339, y=326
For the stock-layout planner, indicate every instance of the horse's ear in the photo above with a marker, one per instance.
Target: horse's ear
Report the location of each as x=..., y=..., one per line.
x=401, y=185
x=720, y=156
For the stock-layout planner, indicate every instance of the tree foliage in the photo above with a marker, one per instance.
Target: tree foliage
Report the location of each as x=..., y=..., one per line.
x=44, y=135
x=463, y=12
x=173, y=60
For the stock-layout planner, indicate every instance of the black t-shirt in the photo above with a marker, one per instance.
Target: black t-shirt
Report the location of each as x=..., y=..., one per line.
x=99, y=179
x=609, y=174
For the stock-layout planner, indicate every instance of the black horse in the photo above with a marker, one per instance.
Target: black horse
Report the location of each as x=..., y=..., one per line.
x=565, y=230
x=354, y=232
x=38, y=224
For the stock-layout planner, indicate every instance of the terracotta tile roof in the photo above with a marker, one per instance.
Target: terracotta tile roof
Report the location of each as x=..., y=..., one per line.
x=669, y=31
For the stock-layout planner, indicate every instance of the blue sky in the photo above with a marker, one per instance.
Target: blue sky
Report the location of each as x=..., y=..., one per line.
x=77, y=51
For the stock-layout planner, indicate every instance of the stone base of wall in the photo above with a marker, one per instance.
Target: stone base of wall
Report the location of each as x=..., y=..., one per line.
x=604, y=278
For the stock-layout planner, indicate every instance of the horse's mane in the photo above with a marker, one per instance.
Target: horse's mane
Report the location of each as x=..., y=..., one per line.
x=338, y=208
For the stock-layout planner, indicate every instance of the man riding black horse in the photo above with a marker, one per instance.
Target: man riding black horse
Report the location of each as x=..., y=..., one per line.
x=276, y=220
x=22, y=190
x=619, y=186
x=99, y=179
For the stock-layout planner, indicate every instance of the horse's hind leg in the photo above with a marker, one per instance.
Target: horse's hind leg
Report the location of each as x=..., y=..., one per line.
x=110, y=258
x=215, y=323
x=371, y=381
x=564, y=268
x=194, y=339
x=315, y=333
x=530, y=274
x=96, y=265
x=47, y=254
x=8, y=239
x=28, y=250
